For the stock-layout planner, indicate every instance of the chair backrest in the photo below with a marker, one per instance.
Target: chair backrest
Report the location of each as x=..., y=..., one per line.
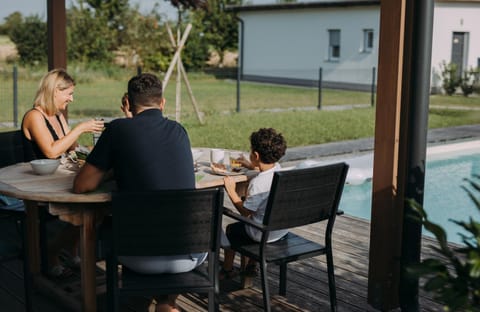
x=153, y=223
x=11, y=148
x=304, y=196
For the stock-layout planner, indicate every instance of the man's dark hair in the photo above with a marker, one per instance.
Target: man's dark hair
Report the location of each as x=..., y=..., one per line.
x=269, y=144
x=145, y=90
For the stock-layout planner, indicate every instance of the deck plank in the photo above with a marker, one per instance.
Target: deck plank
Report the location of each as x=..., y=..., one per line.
x=307, y=286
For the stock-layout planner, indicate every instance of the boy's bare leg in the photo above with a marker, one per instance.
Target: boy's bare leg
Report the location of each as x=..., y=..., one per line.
x=228, y=258
x=247, y=281
x=167, y=304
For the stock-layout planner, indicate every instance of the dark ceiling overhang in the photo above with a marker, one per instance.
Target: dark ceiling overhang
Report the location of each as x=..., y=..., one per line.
x=301, y=5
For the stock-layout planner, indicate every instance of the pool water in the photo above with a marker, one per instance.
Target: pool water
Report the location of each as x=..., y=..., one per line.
x=444, y=197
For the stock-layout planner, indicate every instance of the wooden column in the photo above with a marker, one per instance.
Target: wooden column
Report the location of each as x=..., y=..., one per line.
x=57, y=35
x=400, y=144
x=386, y=219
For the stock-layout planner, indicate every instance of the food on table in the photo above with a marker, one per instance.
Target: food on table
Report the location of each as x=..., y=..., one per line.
x=220, y=168
x=234, y=163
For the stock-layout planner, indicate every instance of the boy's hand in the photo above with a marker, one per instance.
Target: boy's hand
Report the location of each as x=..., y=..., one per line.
x=229, y=184
x=245, y=162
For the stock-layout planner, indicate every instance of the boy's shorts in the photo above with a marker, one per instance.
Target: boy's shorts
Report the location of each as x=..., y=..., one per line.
x=237, y=235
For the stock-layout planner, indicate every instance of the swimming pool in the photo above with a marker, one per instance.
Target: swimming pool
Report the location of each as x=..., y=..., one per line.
x=444, y=198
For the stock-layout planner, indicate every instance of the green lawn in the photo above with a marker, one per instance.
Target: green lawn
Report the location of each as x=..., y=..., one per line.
x=99, y=96
x=456, y=100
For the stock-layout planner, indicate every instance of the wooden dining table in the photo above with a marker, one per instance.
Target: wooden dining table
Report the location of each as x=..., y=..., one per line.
x=54, y=192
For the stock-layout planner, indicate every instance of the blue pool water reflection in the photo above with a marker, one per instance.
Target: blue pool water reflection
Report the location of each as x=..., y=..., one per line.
x=444, y=197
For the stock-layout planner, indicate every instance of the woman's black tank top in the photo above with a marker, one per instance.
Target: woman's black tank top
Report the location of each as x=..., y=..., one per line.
x=31, y=150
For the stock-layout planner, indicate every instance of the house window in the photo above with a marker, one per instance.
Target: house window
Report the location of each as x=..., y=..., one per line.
x=367, y=40
x=333, y=44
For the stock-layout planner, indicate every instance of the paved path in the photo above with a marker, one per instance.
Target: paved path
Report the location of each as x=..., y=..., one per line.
x=435, y=136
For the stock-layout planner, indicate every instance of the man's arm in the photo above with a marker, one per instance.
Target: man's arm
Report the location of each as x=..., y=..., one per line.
x=87, y=179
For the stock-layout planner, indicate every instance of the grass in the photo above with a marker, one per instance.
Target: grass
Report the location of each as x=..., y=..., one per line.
x=5, y=40
x=456, y=100
x=98, y=95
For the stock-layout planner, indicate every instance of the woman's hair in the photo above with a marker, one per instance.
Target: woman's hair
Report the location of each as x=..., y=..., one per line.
x=269, y=145
x=54, y=79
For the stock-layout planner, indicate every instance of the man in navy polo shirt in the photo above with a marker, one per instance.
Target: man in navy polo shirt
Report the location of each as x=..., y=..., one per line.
x=146, y=152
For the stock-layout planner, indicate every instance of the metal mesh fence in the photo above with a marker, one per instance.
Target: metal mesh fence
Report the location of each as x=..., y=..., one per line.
x=215, y=91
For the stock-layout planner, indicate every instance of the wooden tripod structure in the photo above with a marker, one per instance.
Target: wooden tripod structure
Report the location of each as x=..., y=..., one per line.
x=181, y=73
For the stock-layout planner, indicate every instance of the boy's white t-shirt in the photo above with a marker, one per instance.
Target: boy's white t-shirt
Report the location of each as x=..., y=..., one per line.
x=256, y=201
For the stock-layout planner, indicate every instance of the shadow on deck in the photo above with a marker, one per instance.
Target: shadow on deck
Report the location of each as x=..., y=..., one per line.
x=307, y=286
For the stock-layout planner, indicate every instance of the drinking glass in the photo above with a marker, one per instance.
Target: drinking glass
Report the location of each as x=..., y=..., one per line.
x=217, y=155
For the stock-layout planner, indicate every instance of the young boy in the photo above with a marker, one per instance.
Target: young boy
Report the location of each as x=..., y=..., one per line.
x=267, y=146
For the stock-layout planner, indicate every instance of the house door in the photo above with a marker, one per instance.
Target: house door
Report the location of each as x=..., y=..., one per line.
x=459, y=51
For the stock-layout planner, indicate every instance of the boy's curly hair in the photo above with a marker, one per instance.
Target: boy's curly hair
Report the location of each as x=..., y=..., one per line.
x=269, y=144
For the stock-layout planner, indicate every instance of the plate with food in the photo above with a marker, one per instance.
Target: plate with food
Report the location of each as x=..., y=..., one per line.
x=220, y=169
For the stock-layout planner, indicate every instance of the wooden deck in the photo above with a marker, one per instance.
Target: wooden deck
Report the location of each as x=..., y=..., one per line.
x=307, y=287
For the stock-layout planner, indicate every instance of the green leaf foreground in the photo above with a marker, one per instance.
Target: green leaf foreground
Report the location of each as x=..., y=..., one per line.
x=453, y=277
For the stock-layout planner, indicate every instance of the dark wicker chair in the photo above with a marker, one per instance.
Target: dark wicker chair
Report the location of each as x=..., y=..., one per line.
x=298, y=197
x=160, y=223
x=11, y=152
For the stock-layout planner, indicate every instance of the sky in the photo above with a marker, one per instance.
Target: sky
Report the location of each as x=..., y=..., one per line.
x=39, y=7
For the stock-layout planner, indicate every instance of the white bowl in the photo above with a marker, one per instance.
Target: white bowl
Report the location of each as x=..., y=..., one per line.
x=45, y=166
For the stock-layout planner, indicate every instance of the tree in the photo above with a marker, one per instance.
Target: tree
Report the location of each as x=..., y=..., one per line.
x=115, y=12
x=30, y=38
x=110, y=8
x=218, y=28
x=197, y=50
x=144, y=36
x=11, y=21
x=88, y=36
x=98, y=29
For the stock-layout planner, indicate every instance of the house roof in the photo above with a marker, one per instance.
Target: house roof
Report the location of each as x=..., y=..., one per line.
x=318, y=4
x=301, y=5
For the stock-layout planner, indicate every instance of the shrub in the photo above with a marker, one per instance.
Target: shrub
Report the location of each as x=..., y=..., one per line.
x=88, y=36
x=468, y=81
x=30, y=38
x=456, y=280
x=476, y=80
x=450, y=79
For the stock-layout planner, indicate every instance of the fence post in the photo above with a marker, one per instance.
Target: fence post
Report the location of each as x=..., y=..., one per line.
x=15, y=96
x=238, y=88
x=319, y=88
x=372, y=99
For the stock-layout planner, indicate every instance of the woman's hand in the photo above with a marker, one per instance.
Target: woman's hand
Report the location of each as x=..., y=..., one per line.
x=91, y=125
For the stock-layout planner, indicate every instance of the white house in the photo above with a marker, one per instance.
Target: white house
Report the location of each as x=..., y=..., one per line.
x=456, y=36
x=296, y=42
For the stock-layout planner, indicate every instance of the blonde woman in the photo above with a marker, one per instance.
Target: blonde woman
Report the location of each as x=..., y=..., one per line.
x=45, y=129
x=46, y=134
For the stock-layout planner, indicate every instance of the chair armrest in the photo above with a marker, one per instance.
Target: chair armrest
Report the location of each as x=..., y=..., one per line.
x=239, y=217
x=340, y=212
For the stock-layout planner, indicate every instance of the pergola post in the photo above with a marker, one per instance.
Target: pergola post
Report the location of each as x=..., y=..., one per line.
x=57, y=35
x=400, y=150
